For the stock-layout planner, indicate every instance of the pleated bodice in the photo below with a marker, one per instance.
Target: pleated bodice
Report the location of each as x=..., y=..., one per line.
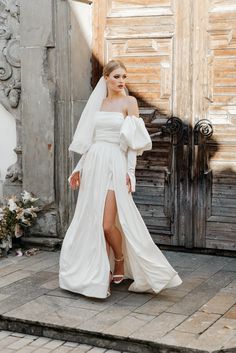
x=107, y=126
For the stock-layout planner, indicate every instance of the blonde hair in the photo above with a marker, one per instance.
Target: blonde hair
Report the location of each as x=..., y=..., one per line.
x=113, y=65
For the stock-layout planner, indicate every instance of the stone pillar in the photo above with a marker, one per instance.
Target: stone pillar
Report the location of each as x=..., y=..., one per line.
x=38, y=58
x=55, y=70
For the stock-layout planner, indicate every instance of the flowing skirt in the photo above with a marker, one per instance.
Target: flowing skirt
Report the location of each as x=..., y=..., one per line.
x=84, y=263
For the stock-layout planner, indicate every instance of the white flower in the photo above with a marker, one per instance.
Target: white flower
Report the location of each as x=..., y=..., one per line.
x=12, y=205
x=26, y=196
x=1, y=214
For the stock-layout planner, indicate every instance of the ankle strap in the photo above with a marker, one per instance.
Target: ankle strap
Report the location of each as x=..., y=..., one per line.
x=121, y=259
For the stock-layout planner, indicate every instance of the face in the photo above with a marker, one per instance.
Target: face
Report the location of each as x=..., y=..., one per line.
x=116, y=80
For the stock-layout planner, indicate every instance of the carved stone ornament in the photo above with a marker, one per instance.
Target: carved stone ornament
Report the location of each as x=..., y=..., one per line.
x=10, y=83
x=14, y=172
x=9, y=54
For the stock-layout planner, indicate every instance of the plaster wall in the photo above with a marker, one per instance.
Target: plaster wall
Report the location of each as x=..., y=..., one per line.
x=7, y=143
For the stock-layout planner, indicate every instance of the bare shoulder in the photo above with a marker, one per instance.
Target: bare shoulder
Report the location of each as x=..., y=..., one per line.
x=131, y=100
x=132, y=106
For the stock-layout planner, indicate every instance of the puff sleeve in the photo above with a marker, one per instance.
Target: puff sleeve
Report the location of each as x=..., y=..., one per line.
x=134, y=140
x=134, y=135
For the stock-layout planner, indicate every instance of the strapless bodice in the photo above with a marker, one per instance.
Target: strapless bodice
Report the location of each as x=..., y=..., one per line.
x=107, y=126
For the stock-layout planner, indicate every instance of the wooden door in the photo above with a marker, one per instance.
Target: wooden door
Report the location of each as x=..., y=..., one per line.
x=170, y=50
x=214, y=91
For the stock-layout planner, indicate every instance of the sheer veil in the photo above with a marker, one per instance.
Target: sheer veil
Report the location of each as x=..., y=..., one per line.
x=83, y=135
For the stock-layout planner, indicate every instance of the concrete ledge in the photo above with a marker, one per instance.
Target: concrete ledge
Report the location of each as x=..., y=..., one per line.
x=44, y=243
x=94, y=338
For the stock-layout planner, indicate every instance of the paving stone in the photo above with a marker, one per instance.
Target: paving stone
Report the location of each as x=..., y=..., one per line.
x=68, y=316
x=39, y=342
x=4, y=334
x=105, y=319
x=134, y=300
x=17, y=334
x=3, y=297
x=97, y=350
x=54, y=268
x=231, y=313
x=31, y=336
x=85, y=347
x=220, y=303
x=53, y=284
x=231, y=266
x=71, y=344
x=178, y=338
x=23, y=291
x=58, y=292
x=216, y=336
x=214, y=265
x=190, y=283
x=173, y=294
x=191, y=261
x=159, y=326
x=128, y=324
x=27, y=284
x=36, y=308
x=156, y=305
x=202, y=294
x=77, y=350
x=230, y=288
x=7, y=341
x=63, y=349
x=231, y=343
x=26, y=349
x=98, y=304
x=42, y=350
x=198, y=322
x=17, y=300
x=45, y=264
x=13, y=277
x=10, y=269
x=53, y=344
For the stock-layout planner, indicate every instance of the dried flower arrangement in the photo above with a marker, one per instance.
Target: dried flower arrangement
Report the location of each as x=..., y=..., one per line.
x=17, y=215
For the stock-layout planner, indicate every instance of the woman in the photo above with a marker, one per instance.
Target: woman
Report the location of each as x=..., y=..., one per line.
x=107, y=239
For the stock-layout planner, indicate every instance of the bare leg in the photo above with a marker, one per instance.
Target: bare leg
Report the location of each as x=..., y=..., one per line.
x=112, y=233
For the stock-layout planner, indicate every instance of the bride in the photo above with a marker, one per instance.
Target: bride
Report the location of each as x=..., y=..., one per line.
x=107, y=240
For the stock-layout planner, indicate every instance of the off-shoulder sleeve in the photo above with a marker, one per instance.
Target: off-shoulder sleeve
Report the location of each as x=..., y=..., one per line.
x=134, y=134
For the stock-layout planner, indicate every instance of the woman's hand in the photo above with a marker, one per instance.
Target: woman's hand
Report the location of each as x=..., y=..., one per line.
x=75, y=180
x=128, y=182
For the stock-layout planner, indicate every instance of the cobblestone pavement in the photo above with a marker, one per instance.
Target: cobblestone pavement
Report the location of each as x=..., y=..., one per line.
x=201, y=313
x=11, y=342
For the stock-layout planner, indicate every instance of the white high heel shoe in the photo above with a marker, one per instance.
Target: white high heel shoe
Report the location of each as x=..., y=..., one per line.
x=118, y=276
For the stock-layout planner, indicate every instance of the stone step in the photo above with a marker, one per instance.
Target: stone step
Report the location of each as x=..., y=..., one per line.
x=43, y=243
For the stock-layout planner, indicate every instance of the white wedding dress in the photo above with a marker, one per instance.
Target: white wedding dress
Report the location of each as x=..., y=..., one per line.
x=84, y=263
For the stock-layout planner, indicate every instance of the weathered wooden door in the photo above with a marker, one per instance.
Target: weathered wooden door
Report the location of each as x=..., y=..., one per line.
x=181, y=60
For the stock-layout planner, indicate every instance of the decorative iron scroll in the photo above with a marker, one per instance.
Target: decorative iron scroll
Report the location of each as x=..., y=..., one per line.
x=203, y=127
x=175, y=127
x=10, y=80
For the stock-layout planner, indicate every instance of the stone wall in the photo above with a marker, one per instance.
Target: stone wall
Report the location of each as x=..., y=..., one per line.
x=55, y=51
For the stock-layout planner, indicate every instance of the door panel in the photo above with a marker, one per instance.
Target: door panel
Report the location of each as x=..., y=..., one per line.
x=215, y=99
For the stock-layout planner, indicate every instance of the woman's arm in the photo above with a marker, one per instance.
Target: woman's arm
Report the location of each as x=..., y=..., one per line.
x=74, y=178
x=132, y=106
